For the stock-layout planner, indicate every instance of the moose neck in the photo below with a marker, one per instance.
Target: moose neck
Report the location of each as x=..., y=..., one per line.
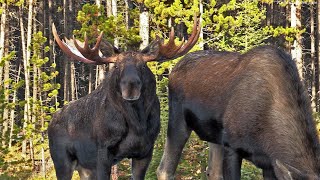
x=134, y=112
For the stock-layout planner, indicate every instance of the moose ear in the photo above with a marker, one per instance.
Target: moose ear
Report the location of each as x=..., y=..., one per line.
x=152, y=48
x=107, y=49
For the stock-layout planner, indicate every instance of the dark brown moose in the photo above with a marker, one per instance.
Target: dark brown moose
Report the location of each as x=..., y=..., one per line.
x=253, y=104
x=120, y=119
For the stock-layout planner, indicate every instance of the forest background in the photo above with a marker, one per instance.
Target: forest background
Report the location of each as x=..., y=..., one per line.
x=36, y=78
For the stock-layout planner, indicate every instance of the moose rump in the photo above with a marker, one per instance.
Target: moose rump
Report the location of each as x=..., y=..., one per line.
x=252, y=104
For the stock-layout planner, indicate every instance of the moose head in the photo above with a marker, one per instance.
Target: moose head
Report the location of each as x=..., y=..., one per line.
x=129, y=67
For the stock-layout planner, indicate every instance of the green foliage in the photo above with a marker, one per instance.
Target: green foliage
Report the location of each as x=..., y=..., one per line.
x=2, y=103
x=7, y=58
x=161, y=13
x=250, y=172
x=94, y=20
x=234, y=26
x=7, y=87
x=47, y=89
x=14, y=166
x=42, y=107
x=237, y=26
x=288, y=32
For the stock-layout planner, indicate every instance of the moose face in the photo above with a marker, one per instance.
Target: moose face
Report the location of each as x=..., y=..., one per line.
x=133, y=75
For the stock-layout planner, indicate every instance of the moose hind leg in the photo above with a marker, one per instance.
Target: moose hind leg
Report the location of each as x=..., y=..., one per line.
x=177, y=136
x=231, y=164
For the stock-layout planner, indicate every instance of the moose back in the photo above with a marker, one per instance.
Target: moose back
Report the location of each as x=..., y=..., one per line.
x=120, y=119
x=253, y=104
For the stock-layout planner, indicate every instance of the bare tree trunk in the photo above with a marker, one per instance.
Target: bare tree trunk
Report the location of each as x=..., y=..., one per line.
x=98, y=3
x=27, y=113
x=43, y=160
x=266, y=21
x=201, y=44
x=2, y=54
x=2, y=36
x=128, y=7
x=144, y=26
x=66, y=64
x=100, y=71
x=66, y=82
x=115, y=13
x=316, y=62
x=315, y=87
x=296, y=52
x=73, y=87
x=31, y=153
x=12, y=113
x=34, y=91
x=74, y=94
x=287, y=24
x=35, y=76
x=6, y=88
x=90, y=79
x=111, y=11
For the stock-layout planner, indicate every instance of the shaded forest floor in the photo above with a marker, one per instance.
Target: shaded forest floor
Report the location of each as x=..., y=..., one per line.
x=191, y=167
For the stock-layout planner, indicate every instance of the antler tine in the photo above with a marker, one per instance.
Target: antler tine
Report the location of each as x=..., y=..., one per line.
x=192, y=39
x=85, y=50
x=170, y=50
x=96, y=47
x=93, y=53
x=86, y=44
x=73, y=53
x=85, y=53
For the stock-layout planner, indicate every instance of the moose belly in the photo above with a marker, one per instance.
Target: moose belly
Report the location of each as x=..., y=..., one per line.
x=206, y=125
x=248, y=149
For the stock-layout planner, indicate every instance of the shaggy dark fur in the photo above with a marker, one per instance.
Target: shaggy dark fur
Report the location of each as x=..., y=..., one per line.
x=93, y=133
x=254, y=104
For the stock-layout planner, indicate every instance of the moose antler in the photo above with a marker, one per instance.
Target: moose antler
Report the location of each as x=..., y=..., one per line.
x=171, y=50
x=86, y=54
x=156, y=51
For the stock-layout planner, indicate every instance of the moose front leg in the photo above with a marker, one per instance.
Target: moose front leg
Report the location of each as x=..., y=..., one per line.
x=140, y=166
x=231, y=164
x=104, y=164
